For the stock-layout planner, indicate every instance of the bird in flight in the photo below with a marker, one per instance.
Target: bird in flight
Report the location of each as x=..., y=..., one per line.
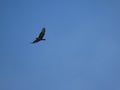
x=40, y=37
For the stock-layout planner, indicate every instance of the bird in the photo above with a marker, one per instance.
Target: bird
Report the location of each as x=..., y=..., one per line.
x=40, y=37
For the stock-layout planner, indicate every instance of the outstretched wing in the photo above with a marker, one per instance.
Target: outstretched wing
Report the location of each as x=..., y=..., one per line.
x=36, y=40
x=41, y=35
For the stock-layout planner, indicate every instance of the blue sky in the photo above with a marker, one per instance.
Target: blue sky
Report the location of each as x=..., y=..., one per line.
x=81, y=51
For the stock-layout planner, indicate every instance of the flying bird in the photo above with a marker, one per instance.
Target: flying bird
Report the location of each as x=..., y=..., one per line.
x=40, y=37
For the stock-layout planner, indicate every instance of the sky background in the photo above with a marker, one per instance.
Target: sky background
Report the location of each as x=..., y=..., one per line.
x=81, y=51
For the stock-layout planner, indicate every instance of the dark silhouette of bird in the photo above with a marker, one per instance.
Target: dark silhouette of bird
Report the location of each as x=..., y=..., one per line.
x=40, y=37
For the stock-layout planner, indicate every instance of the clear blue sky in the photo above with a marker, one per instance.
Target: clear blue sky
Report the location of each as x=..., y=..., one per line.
x=81, y=51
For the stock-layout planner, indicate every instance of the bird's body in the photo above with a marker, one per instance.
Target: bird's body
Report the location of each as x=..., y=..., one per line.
x=40, y=37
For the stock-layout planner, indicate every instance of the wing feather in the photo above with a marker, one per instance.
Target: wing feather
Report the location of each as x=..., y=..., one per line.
x=41, y=35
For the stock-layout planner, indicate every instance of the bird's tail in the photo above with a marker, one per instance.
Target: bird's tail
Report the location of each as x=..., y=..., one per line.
x=43, y=39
